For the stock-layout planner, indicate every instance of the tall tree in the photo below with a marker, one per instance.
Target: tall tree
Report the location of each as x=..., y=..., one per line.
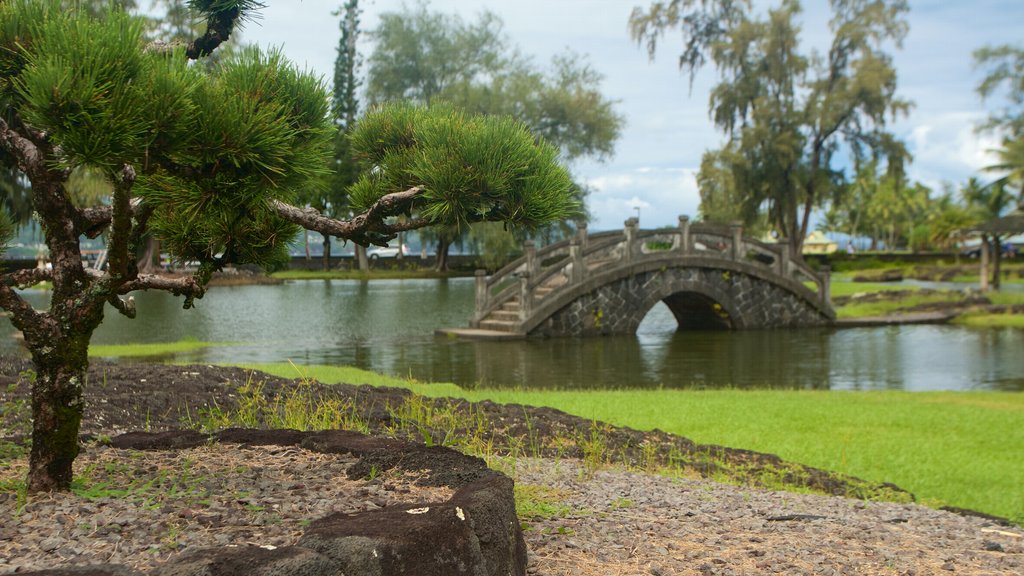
x=209, y=162
x=790, y=117
x=1004, y=75
x=426, y=56
x=332, y=199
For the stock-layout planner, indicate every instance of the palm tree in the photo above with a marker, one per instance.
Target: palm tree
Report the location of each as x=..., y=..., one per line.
x=1011, y=166
x=990, y=202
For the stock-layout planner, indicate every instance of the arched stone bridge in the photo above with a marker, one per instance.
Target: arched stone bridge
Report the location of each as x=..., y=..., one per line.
x=710, y=276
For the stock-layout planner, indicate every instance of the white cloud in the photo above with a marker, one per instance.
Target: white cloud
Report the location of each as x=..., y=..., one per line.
x=946, y=147
x=661, y=193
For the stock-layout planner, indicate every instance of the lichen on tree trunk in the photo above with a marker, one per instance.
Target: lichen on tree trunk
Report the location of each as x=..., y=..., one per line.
x=57, y=408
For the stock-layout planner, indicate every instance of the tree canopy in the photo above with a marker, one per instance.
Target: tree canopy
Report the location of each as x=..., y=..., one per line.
x=1004, y=75
x=427, y=56
x=210, y=161
x=424, y=56
x=792, y=119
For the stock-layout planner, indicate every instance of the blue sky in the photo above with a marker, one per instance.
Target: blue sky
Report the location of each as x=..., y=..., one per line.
x=667, y=126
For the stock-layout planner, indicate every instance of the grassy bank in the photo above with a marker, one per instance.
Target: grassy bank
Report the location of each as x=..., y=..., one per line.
x=959, y=449
x=849, y=305
x=156, y=349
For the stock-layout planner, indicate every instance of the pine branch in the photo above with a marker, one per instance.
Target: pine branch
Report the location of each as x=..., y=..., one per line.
x=125, y=307
x=22, y=313
x=121, y=225
x=26, y=278
x=93, y=221
x=220, y=23
x=366, y=228
x=187, y=286
x=25, y=152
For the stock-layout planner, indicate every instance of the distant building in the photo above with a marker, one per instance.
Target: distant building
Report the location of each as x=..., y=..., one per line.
x=817, y=243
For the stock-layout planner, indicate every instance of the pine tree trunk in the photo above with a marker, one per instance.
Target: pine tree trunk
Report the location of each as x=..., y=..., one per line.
x=997, y=259
x=361, y=260
x=57, y=407
x=149, y=263
x=327, y=253
x=442, y=255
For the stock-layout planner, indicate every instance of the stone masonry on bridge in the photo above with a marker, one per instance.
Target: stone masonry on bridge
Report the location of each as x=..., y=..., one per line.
x=710, y=277
x=699, y=298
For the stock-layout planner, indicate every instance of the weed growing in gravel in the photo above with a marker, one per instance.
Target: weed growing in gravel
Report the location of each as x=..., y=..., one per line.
x=299, y=409
x=595, y=448
x=621, y=503
x=19, y=488
x=15, y=415
x=535, y=502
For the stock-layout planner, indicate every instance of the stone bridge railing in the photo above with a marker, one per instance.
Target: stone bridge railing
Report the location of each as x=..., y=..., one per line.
x=506, y=300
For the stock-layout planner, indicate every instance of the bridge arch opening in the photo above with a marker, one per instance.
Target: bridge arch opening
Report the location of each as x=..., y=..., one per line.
x=696, y=311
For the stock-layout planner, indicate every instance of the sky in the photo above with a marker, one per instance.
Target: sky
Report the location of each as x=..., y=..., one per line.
x=652, y=173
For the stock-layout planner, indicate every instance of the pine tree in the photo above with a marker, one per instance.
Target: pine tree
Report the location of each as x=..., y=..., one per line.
x=210, y=162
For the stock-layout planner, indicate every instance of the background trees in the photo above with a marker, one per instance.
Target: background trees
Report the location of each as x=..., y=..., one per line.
x=791, y=119
x=426, y=56
x=1004, y=74
x=209, y=161
x=332, y=199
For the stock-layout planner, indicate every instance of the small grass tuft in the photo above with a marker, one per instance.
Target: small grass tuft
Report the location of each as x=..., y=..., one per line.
x=535, y=502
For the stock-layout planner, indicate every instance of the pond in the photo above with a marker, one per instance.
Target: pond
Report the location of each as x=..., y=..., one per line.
x=388, y=326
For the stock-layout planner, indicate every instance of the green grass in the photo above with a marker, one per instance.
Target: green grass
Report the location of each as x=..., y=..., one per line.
x=1006, y=298
x=991, y=320
x=153, y=349
x=357, y=376
x=949, y=448
x=881, y=308
x=848, y=288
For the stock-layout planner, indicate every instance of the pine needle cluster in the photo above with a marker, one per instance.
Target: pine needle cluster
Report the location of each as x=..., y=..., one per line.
x=212, y=147
x=472, y=168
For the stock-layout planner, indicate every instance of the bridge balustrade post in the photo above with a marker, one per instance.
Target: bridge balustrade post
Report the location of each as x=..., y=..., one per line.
x=737, y=241
x=530, y=249
x=682, y=242
x=481, y=297
x=525, y=297
x=826, y=285
x=581, y=235
x=579, y=269
x=630, y=229
x=783, y=259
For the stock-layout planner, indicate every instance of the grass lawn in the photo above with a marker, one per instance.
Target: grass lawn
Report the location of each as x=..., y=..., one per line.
x=153, y=349
x=949, y=448
x=883, y=307
x=849, y=288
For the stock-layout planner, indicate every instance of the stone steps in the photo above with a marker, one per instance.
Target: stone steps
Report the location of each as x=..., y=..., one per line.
x=499, y=325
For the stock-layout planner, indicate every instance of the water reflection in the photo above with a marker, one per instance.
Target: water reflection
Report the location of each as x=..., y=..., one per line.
x=387, y=326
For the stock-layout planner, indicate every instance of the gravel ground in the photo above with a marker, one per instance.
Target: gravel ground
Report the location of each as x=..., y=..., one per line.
x=629, y=524
x=609, y=523
x=145, y=507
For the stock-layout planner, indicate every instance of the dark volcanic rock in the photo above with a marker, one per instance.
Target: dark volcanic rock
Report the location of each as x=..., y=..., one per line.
x=476, y=532
x=95, y=570
x=251, y=561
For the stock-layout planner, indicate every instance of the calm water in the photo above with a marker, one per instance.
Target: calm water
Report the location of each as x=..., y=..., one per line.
x=387, y=326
